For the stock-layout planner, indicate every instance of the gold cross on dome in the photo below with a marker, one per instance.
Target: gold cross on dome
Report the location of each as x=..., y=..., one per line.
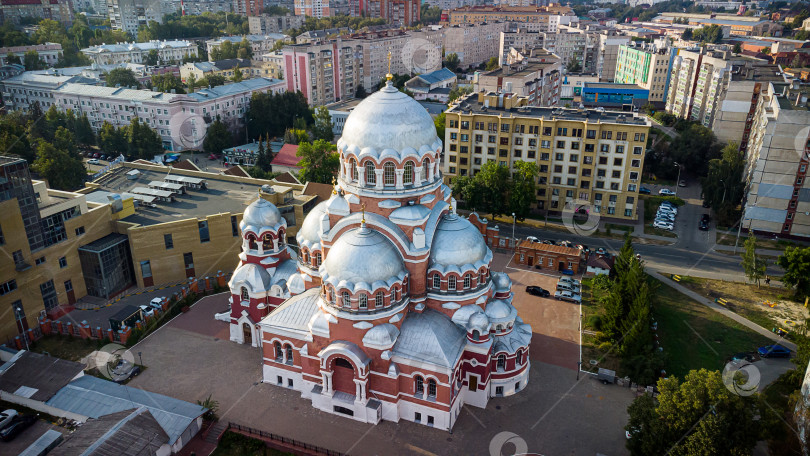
x=334, y=183
x=363, y=208
x=389, y=76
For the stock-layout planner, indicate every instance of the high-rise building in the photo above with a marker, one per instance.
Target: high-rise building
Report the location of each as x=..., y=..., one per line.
x=531, y=15
x=313, y=8
x=265, y=23
x=58, y=10
x=129, y=15
x=777, y=197
x=591, y=156
x=248, y=7
x=325, y=72
x=473, y=43
x=647, y=66
x=608, y=55
x=535, y=76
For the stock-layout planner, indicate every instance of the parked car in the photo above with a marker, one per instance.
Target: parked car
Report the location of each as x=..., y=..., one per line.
x=582, y=247
x=706, y=204
x=549, y=242
x=706, y=218
x=666, y=192
x=665, y=214
x=563, y=286
x=93, y=161
x=667, y=208
x=743, y=356
x=601, y=251
x=644, y=191
x=213, y=157
x=682, y=183
x=96, y=155
x=570, y=280
x=7, y=417
x=663, y=225
x=148, y=311
x=668, y=217
x=703, y=225
x=538, y=291
x=17, y=425
x=103, y=157
x=774, y=351
x=157, y=303
x=567, y=244
x=568, y=272
x=568, y=296
x=532, y=238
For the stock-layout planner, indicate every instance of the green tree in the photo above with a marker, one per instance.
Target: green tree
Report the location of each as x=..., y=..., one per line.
x=439, y=123
x=245, y=50
x=144, y=142
x=152, y=58
x=84, y=131
x=723, y=186
x=696, y=416
x=451, y=61
x=319, y=161
x=796, y=263
x=487, y=190
x=62, y=171
x=753, y=265
x=457, y=91
x=687, y=35
x=112, y=140
x=237, y=75
x=66, y=141
x=360, y=92
x=573, y=66
x=14, y=137
x=212, y=80
x=32, y=62
x=322, y=127
x=522, y=191
x=11, y=58
x=264, y=157
x=694, y=148
x=272, y=114
x=217, y=138
x=492, y=64
x=123, y=77
x=167, y=82
x=737, y=49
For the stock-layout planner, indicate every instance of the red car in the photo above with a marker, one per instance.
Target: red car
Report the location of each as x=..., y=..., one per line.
x=96, y=155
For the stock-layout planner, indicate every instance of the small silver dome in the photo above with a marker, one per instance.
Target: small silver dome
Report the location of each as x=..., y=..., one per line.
x=502, y=281
x=478, y=322
x=500, y=311
x=457, y=242
x=381, y=336
x=388, y=119
x=308, y=233
x=259, y=214
x=362, y=255
x=255, y=278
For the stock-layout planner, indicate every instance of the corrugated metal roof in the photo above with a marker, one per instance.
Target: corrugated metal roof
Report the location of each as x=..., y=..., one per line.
x=430, y=337
x=126, y=433
x=45, y=375
x=117, y=92
x=41, y=445
x=231, y=89
x=437, y=76
x=128, y=47
x=94, y=397
x=296, y=312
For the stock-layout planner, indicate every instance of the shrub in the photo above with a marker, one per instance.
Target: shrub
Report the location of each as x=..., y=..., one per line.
x=595, y=322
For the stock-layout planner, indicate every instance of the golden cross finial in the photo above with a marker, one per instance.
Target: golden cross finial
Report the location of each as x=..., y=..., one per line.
x=363, y=208
x=334, y=183
x=389, y=76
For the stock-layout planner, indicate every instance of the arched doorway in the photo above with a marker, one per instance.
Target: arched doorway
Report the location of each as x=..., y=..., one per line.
x=343, y=376
x=247, y=334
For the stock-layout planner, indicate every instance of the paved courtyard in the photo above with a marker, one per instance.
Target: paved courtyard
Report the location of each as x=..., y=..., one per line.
x=191, y=357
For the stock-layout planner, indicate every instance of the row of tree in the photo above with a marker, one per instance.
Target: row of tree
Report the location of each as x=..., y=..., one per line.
x=228, y=50
x=207, y=24
x=494, y=190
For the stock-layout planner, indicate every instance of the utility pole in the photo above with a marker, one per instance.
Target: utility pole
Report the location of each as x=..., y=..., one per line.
x=513, y=230
x=678, y=180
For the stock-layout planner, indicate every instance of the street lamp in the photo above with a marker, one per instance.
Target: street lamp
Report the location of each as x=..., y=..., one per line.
x=513, y=229
x=140, y=358
x=678, y=180
x=20, y=319
x=739, y=227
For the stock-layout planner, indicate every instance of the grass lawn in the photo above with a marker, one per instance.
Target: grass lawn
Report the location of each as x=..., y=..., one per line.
x=728, y=238
x=694, y=336
x=748, y=300
x=649, y=229
x=235, y=444
x=66, y=347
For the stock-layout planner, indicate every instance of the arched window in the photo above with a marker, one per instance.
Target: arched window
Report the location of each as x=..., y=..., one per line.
x=267, y=242
x=451, y=283
x=318, y=259
x=379, y=300
x=244, y=293
x=476, y=335
x=397, y=294
x=306, y=257
x=371, y=176
x=288, y=349
x=501, y=365
x=467, y=281
x=482, y=277
x=353, y=169
x=426, y=170
x=251, y=242
x=437, y=281
x=519, y=358
x=332, y=296
x=388, y=175
x=279, y=353
x=408, y=175
x=363, y=302
x=432, y=388
x=346, y=300
x=419, y=387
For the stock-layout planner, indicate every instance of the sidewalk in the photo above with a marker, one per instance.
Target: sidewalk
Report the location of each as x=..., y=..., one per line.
x=741, y=249
x=722, y=310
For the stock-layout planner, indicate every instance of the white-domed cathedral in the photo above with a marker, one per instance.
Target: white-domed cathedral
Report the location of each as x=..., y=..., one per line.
x=389, y=310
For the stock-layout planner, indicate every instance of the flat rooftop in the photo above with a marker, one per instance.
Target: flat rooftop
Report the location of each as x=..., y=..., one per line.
x=612, y=86
x=530, y=68
x=221, y=196
x=470, y=105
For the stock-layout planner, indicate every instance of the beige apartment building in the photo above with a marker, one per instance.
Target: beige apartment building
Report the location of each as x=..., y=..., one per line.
x=473, y=43
x=537, y=78
x=584, y=155
x=778, y=191
x=540, y=15
x=139, y=225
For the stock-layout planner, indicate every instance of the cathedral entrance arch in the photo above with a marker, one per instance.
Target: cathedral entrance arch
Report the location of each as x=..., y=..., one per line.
x=247, y=334
x=343, y=376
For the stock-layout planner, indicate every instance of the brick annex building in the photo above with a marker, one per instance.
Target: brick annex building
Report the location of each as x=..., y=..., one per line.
x=391, y=310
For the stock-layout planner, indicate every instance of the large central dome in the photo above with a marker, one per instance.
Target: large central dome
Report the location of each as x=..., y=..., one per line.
x=362, y=255
x=388, y=119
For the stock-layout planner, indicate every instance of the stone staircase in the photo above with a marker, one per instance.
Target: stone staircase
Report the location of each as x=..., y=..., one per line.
x=216, y=431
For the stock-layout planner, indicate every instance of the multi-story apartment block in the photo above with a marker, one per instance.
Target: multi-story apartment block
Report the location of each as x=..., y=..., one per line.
x=248, y=7
x=266, y=24
x=260, y=44
x=608, y=55
x=165, y=112
x=777, y=186
x=129, y=15
x=21, y=91
x=63, y=246
x=397, y=12
x=324, y=73
x=536, y=78
x=197, y=7
x=57, y=10
x=168, y=51
x=473, y=43
x=572, y=46
x=313, y=8
x=540, y=15
x=519, y=40
x=647, y=66
x=50, y=53
x=583, y=155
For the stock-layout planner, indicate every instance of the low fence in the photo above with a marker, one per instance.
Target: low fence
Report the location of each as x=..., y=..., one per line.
x=281, y=440
x=46, y=326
